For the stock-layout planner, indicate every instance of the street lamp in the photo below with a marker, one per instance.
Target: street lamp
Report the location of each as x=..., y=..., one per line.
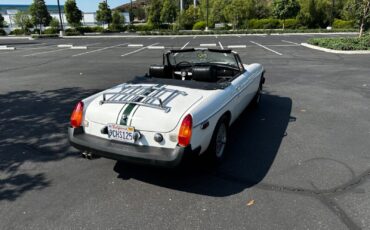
x=207, y=15
x=60, y=19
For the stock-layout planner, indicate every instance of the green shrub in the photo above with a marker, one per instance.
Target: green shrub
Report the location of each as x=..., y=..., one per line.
x=267, y=23
x=142, y=27
x=73, y=32
x=292, y=23
x=342, y=24
x=201, y=25
x=2, y=32
x=20, y=32
x=50, y=31
x=349, y=43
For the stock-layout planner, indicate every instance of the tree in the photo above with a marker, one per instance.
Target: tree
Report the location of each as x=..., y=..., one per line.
x=189, y=17
x=236, y=12
x=1, y=21
x=358, y=10
x=283, y=9
x=154, y=13
x=217, y=14
x=168, y=12
x=104, y=13
x=117, y=21
x=39, y=14
x=73, y=14
x=22, y=20
x=54, y=24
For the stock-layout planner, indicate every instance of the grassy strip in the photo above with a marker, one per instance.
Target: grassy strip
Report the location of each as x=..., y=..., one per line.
x=353, y=43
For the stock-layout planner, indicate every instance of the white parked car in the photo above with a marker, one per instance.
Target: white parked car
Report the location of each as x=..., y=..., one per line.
x=184, y=106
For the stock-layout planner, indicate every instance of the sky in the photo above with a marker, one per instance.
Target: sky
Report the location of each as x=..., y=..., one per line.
x=84, y=5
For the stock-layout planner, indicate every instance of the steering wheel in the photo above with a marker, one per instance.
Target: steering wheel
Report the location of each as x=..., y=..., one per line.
x=183, y=64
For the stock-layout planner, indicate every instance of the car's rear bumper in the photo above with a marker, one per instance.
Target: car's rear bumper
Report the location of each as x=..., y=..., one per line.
x=126, y=152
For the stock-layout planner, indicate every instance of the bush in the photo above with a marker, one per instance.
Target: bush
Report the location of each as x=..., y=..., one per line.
x=142, y=27
x=50, y=31
x=292, y=24
x=20, y=32
x=342, y=24
x=353, y=43
x=2, y=32
x=201, y=25
x=267, y=23
x=73, y=32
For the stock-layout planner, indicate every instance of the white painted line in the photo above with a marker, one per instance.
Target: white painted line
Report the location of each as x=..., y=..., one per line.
x=94, y=51
x=138, y=50
x=266, y=48
x=211, y=45
x=7, y=48
x=282, y=45
x=185, y=45
x=155, y=47
x=236, y=46
x=222, y=47
x=65, y=46
x=3, y=47
x=79, y=47
x=182, y=48
x=135, y=45
x=52, y=51
x=336, y=51
x=194, y=37
x=291, y=42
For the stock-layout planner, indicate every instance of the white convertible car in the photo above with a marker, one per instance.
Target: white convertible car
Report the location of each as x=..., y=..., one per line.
x=183, y=106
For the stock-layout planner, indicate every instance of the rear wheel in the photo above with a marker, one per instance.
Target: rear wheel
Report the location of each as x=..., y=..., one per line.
x=217, y=148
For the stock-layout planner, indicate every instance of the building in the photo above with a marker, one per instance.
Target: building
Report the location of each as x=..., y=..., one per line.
x=9, y=11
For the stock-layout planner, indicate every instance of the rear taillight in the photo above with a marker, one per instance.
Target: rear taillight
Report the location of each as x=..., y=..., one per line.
x=77, y=114
x=185, y=131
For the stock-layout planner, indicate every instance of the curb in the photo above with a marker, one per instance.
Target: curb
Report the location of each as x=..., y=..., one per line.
x=207, y=35
x=335, y=51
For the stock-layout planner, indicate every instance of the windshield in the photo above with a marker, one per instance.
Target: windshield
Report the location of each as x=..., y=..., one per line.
x=203, y=57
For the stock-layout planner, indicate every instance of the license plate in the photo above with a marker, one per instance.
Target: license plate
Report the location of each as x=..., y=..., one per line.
x=121, y=133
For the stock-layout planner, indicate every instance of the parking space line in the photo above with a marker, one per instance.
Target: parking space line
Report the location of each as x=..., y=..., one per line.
x=155, y=47
x=282, y=45
x=94, y=51
x=135, y=45
x=183, y=47
x=138, y=50
x=266, y=48
x=45, y=52
x=290, y=42
x=222, y=47
x=236, y=46
x=211, y=44
x=194, y=37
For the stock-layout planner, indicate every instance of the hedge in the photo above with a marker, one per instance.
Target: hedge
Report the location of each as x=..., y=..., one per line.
x=201, y=25
x=2, y=32
x=342, y=24
x=353, y=43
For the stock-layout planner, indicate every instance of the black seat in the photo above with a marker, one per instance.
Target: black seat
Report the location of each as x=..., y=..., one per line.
x=160, y=71
x=204, y=73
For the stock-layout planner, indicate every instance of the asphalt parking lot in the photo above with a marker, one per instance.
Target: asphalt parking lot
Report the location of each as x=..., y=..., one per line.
x=301, y=161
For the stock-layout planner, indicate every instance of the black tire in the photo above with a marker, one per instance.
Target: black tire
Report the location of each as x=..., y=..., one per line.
x=215, y=152
x=257, y=98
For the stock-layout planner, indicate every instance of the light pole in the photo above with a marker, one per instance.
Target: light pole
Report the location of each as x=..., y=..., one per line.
x=207, y=15
x=60, y=20
x=131, y=14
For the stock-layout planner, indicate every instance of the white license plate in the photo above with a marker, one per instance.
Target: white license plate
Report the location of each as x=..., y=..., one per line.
x=121, y=133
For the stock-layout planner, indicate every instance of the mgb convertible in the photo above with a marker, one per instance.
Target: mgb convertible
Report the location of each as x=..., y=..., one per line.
x=183, y=106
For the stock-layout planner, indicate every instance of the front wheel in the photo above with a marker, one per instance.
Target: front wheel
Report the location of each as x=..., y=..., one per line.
x=257, y=98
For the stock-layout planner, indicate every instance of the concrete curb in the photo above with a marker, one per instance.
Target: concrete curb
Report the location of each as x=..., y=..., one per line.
x=335, y=51
x=207, y=35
